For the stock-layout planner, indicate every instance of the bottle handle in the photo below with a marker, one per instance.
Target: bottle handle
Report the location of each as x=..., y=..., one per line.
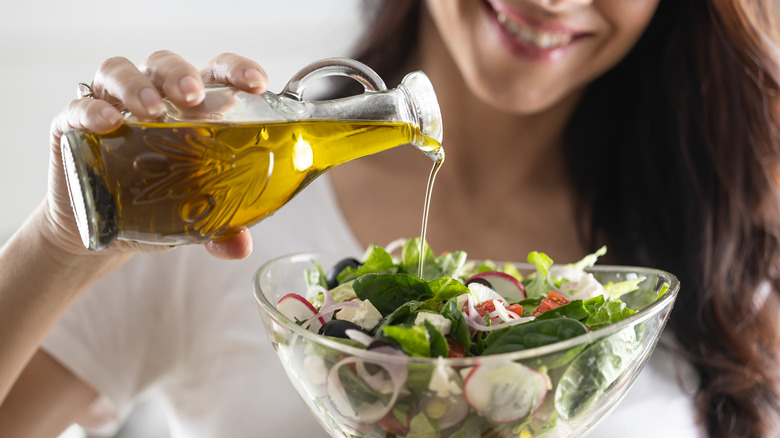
x=333, y=67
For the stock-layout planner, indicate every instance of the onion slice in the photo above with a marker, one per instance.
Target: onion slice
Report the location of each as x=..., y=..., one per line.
x=328, y=311
x=367, y=413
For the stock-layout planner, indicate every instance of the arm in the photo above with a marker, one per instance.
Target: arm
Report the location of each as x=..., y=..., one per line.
x=39, y=282
x=46, y=386
x=44, y=265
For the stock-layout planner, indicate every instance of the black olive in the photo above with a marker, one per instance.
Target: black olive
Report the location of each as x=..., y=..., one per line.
x=479, y=280
x=337, y=328
x=348, y=262
x=384, y=341
x=384, y=344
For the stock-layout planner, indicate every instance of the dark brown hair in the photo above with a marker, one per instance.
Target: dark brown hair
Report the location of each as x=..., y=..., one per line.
x=677, y=159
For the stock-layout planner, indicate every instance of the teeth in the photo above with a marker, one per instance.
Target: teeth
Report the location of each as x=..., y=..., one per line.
x=543, y=40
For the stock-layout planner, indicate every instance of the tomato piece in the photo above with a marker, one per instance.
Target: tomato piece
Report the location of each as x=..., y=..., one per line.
x=391, y=424
x=486, y=307
x=455, y=349
x=553, y=300
x=515, y=308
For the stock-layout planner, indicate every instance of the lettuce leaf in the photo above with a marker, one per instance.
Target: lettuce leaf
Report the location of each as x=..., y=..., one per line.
x=538, y=285
x=610, y=312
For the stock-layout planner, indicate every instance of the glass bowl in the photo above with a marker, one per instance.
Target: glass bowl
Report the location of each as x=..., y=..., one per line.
x=354, y=392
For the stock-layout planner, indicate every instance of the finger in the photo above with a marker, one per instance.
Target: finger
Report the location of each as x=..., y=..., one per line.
x=236, y=247
x=178, y=79
x=232, y=69
x=87, y=114
x=119, y=80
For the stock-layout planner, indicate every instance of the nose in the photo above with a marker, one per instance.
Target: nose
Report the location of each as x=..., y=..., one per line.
x=560, y=5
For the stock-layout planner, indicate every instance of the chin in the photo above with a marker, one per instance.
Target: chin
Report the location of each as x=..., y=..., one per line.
x=522, y=102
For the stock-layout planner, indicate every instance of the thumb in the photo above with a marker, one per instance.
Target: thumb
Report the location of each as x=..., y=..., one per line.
x=235, y=247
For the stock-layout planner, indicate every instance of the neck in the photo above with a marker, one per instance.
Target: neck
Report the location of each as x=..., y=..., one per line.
x=499, y=167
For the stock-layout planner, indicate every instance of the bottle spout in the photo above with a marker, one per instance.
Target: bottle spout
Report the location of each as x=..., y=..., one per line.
x=424, y=107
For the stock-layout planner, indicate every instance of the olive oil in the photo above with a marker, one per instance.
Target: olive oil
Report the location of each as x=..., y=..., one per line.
x=176, y=183
x=426, y=209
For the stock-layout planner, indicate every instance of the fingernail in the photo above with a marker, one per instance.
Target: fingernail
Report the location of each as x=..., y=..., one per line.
x=191, y=89
x=152, y=101
x=255, y=79
x=111, y=115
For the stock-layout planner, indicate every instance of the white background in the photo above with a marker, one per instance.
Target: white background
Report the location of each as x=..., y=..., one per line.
x=48, y=46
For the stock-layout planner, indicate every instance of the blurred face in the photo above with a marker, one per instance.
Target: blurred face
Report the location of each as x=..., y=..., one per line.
x=524, y=56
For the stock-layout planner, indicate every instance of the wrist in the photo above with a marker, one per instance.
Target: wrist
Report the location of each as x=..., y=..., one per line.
x=59, y=256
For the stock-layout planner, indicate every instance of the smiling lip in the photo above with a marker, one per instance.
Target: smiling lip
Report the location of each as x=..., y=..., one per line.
x=528, y=38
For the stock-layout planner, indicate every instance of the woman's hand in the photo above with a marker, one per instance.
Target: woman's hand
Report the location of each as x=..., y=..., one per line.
x=119, y=83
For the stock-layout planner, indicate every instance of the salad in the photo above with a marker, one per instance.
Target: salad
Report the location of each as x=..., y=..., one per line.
x=458, y=309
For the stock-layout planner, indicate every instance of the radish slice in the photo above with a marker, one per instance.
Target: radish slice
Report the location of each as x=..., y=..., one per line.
x=505, y=392
x=297, y=308
x=506, y=285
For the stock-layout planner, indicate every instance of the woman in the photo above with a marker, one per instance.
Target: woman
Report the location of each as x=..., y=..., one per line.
x=650, y=126
x=660, y=164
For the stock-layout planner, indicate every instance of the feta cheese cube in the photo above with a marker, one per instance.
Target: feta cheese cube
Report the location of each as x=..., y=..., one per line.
x=441, y=323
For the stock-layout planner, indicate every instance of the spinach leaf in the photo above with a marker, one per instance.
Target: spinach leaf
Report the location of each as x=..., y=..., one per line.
x=387, y=292
x=445, y=288
x=470, y=428
x=359, y=392
x=405, y=314
x=459, y=330
x=377, y=260
x=532, y=334
x=437, y=341
x=413, y=340
x=418, y=379
x=575, y=310
x=530, y=305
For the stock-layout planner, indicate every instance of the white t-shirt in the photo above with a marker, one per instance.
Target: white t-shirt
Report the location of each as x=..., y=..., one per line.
x=187, y=325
